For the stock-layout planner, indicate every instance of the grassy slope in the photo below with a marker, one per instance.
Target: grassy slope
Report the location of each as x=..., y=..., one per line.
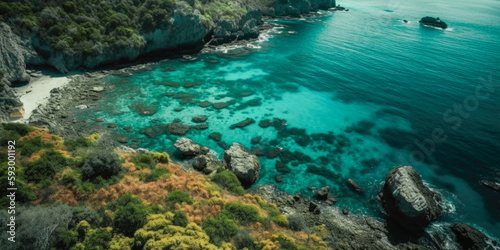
x=149, y=203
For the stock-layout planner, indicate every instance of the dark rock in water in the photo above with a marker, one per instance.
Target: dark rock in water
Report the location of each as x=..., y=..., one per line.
x=143, y=109
x=223, y=145
x=287, y=156
x=331, y=201
x=178, y=109
x=215, y=136
x=169, y=94
x=220, y=105
x=339, y=8
x=256, y=140
x=265, y=123
x=112, y=125
x=122, y=139
x=244, y=165
x=205, y=104
x=257, y=152
x=470, y=238
x=345, y=211
x=434, y=22
x=328, y=138
x=279, y=124
x=298, y=135
x=491, y=185
x=406, y=21
x=199, y=119
x=153, y=132
x=314, y=208
x=278, y=178
x=323, y=193
x=176, y=128
x=273, y=153
x=243, y=124
x=187, y=147
x=322, y=171
x=191, y=84
x=99, y=120
x=280, y=167
x=408, y=201
x=312, y=188
x=246, y=93
x=370, y=163
x=353, y=186
x=363, y=127
x=295, y=163
x=200, y=126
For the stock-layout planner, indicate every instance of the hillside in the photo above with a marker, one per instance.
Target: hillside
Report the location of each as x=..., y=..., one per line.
x=84, y=198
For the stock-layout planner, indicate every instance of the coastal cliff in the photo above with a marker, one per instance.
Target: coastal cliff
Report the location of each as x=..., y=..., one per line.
x=78, y=36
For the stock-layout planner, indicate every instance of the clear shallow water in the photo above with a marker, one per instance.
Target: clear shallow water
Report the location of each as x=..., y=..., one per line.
x=328, y=74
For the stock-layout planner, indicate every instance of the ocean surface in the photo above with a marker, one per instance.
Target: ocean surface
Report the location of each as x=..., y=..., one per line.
x=363, y=90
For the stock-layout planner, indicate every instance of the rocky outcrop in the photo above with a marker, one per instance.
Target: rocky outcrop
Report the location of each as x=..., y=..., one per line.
x=434, y=22
x=12, y=56
x=188, y=148
x=470, y=238
x=244, y=165
x=207, y=163
x=408, y=201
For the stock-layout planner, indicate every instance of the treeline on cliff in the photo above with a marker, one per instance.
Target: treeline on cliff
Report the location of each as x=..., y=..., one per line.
x=86, y=26
x=75, y=195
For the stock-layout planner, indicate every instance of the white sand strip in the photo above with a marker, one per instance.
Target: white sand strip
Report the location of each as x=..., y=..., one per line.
x=38, y=92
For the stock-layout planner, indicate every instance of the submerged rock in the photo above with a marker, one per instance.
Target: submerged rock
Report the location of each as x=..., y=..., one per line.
x=408, y=201
x=220, y=105
x=244, y=165
x=256, y=140
x=353, y=186
x=177, y=128
x=215, y=136
x=491, y=185
x=242, y=124
x=434, y=22
x=199, y=119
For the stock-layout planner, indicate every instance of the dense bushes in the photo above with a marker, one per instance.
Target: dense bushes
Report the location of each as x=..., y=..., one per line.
x=240, y=212
x=101, y=163
x=180, y=218
x=220, y=229
x=72, y=145
x=130, y=216
x=44, y=168
x=179, y=197
x=229, y=181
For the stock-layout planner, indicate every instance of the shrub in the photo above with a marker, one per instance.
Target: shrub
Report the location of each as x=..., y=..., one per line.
x=220, y=229
x=101, y=163
x=229, y=181
x=179, y=197
x=98, y=239
x=20, y=128
x=46, y=166
x=244, y=240
x=130, y=216
x=84, y=213
x=161, y=157
x=30, y=146
x=280, y=220
x=180, y=218
x=155, y=174
x=66, y=239
x=241, y=212
x=72, y=145
x=144, y=161
x=286, y=243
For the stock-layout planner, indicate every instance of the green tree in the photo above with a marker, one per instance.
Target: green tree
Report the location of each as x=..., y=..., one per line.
x=130, y=216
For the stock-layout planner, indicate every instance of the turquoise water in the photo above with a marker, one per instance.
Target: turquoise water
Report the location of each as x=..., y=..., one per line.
x=372, y=81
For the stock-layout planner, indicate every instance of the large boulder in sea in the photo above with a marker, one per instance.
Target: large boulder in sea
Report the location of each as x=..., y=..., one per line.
x=408, y=201
x=434, y=22
x=188, y=148
x=244, y=165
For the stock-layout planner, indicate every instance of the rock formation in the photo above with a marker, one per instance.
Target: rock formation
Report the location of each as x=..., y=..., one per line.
x=408, y=201
x=244, y=165
x=188, y=148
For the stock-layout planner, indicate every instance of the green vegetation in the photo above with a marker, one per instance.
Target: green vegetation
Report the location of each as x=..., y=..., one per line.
x=130, y=216
x=242, y=213
x=179, y=197
x=144, y=161
x=180, y=218
x=280, y=220
x=154, y=175
x=220, y=229
x=82, y=142
x=44, y=168
x=228, y=180
x=101, y=164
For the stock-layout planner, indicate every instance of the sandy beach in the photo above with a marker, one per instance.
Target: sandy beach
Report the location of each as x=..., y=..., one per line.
x=38, y=92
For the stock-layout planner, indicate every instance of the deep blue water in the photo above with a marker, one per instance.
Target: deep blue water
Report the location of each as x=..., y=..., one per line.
x=374, y=82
